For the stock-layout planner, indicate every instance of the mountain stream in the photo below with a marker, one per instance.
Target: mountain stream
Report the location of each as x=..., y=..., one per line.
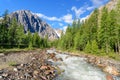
x=76, y=68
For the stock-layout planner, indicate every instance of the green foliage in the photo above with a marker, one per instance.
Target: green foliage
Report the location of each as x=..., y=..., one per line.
x=94, y=48
x=12, y=35
x=88, y=48
x=4, y=29
x=99, y=34
x=12, y=63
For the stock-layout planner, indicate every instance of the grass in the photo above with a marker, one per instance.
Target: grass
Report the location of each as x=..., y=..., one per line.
x=12, y=63
x=6, y=51
x=110, y=55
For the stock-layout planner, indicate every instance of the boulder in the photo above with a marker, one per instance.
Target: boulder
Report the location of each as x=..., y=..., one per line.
x=111, y=70
x=43, y=67
x=2, y=54
x=109, y=77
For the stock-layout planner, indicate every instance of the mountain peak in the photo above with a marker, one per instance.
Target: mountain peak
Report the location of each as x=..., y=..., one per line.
x=33, y=23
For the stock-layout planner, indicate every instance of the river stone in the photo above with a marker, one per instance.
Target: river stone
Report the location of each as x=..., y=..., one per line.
x=109, y=77
x=2, y=54
x=4, y=74
x=15, y=69
x=1, y=77
x=35, y=72
x=1, y=71
x=60, y=59
x=111, y=70
x=43, y=67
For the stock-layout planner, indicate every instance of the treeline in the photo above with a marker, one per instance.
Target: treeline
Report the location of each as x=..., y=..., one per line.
x=12, y=35
x=100, y=33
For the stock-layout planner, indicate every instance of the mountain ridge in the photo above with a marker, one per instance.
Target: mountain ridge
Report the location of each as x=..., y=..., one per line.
x=33, y=23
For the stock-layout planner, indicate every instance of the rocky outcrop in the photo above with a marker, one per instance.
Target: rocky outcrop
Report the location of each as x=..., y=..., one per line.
x=108, y=65
x=112, y=70
x=111, y=4
x=59, y=32
x=33, y=23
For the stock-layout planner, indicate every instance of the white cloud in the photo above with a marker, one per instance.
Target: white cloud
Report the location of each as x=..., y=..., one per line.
x=84, y=18
x=64, y=29
x=98, y=3
x=79, y=11
x=60, y=24
x=90, y=8
x=66, y=18
x=48, y=18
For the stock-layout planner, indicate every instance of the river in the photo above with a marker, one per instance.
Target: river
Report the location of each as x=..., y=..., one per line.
x=76, y=68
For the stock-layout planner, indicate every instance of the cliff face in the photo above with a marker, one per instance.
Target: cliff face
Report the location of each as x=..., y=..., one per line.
x=33, y=23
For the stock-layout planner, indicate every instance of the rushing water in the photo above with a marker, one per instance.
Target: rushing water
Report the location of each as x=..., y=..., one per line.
x=76, y=68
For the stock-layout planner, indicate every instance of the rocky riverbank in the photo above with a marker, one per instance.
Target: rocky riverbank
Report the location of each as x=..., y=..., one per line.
x=35, y=67
x=110, y=66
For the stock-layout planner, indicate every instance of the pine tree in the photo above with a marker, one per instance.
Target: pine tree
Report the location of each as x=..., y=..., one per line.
x=118, y=26
x=29, y=40
x=88, y=47
x=104, y=31
x=4, y=29
x=13, y=32
x=92, y=26
x=94, y=47
x=112, y=29
x=20, y=35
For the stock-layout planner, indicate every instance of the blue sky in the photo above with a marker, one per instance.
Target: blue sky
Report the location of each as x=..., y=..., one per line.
x=57, y=13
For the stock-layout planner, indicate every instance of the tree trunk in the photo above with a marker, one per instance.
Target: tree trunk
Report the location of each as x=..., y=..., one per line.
x=118, y=47
x=106, y=47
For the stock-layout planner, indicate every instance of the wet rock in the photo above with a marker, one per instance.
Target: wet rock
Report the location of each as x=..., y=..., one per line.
x=27, y=75
x=1, y=77
x=4, y=74
x=1, y=71
x=111, y=70
x=43, y=78
x=67, y=57
x=109, y=77
x=52, y=55
x=60, y=59
x=48, y=62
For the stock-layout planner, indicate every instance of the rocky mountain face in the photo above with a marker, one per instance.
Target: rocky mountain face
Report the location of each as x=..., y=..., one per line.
x=59, y=32
x=33, y=23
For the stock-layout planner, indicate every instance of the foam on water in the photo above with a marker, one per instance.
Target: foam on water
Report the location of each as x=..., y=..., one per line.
x=76, y=68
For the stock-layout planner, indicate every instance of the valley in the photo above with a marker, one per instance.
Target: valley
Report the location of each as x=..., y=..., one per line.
x=76, y=41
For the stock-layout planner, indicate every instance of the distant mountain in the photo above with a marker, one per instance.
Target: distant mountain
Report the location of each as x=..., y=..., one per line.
x=59, y=32
x=33, y=23
x=110, y=5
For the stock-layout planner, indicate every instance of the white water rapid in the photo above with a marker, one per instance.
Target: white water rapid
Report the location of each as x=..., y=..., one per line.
x=76, y=68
